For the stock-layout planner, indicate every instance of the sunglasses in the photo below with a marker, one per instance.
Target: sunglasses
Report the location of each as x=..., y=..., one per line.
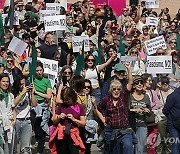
x=161, y=53
x=173, y=42
x=87, y=87
x=66, y=72
x=9, y=61
x=138, y=82
x=125, y=10
x=90, y=60
x=134, y=53
x=116, y=89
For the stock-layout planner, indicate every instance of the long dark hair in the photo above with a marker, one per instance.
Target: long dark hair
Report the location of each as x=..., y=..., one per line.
x=86, y=60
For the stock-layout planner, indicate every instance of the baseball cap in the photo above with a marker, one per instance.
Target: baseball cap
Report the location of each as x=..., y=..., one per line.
x=119, y=67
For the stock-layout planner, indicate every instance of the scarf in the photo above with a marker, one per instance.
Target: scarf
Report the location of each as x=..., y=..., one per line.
x=5, y=96
x=70, y=28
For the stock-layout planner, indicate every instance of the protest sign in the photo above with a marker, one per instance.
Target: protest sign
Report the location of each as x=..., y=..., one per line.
x=77, y=42
x=153, y=44
x=17, y=46
x=152, y=21
x=129, y=59
x=56, y=7
x=2, y=4
x=16, y=19
x=159, y=64
x=151, y=4
x=45, y=13
x=55, y=23
x=63, y=3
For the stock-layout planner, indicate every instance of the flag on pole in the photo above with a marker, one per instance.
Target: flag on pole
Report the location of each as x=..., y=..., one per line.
x=32, y=65
x=178, y=41
x=98, y=58
x=1, y=31
x=80, y=61
x=121, y=46
x=8, y=17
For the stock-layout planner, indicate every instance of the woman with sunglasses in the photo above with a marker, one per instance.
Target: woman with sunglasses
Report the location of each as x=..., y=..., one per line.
x=139, y=108
x=117, y=133
x=139, y=66
x=155, y=105
x=92, y=73
x=7, y=115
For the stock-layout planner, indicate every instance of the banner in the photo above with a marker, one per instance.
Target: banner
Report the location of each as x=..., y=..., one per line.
x=152, y=21
x=159, y=64
x=153, y=44
x=55, y=23
x=151, y=4
x=77, y=43
x=45, y=13
x=56, y=7
x=2, y=4
x=16, y=19
x=17, y=46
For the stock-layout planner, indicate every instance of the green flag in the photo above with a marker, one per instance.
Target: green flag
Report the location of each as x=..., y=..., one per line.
x=7, y=19
x=178, y=41
x=121, y=46
x=1, y=31
x=80, y=61
x=98, y=58
x=32, y=66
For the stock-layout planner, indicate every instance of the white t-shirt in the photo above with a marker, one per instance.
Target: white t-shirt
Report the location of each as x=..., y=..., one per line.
x=92, y=75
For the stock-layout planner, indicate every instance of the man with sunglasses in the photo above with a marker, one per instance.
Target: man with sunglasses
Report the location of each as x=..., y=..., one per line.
x=119, y=74
x=124, y=17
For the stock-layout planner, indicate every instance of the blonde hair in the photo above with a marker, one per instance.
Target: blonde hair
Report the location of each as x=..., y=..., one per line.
x=114, y=82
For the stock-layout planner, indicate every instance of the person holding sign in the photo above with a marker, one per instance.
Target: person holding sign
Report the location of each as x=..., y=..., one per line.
x=40, y=114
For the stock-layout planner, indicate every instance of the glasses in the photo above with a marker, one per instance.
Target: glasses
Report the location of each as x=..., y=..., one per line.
x=67, y=72
x=9, y=61
x=125, y=10
x=138, y=82
x=160, y=53
x=173, y=25
x=90, y=60
x=116, y=89
x=87, y=87
x=134, y=52
x=173, y=42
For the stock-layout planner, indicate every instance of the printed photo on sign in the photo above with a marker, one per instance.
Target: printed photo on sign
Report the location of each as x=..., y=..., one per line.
x=77, y=42
x=17, y=46
x=152, y=4
x=55, y=23
x=16, y=19
x=159, y=64
x=153, y=44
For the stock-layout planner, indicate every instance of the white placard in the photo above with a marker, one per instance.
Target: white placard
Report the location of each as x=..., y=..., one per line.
x=16, y=19
x=153, y=44
x=129, y=59
x=152, y=21
x=45, y=13
x=63, y=3
x=77, y=42
x=50, y=66
x=55, y=23
x=17, y=46
x=56, y=7
x=152, y=4
x=159, y=64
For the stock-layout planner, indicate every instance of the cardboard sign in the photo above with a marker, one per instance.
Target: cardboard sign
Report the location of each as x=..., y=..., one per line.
x=56, y=7
x=45, y=13
x=16, y=19
x=55, y=23
x=152, y=21
x=159, y=64
x=153, y=44
x=17, y=46
x=151, y=4
x=77, y=42
x=50, y=66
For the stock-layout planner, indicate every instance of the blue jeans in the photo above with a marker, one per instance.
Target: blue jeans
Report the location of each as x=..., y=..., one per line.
x=23, y=136
x=175, y=134
x=97, y=94
x=141, y=135
x=118, y=143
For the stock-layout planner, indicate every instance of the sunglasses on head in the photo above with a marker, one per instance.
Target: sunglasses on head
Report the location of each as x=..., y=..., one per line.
x=116, y=89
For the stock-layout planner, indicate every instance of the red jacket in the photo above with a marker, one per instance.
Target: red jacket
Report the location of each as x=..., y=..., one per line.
x=59, y=132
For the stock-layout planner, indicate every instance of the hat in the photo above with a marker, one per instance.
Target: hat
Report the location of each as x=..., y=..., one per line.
x=119, y=67
x=137, y=78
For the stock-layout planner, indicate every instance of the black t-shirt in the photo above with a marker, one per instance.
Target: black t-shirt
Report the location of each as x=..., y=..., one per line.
x=48, y=50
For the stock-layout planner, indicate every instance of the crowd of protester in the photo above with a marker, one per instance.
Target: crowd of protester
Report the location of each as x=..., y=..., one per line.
x=120, y=108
